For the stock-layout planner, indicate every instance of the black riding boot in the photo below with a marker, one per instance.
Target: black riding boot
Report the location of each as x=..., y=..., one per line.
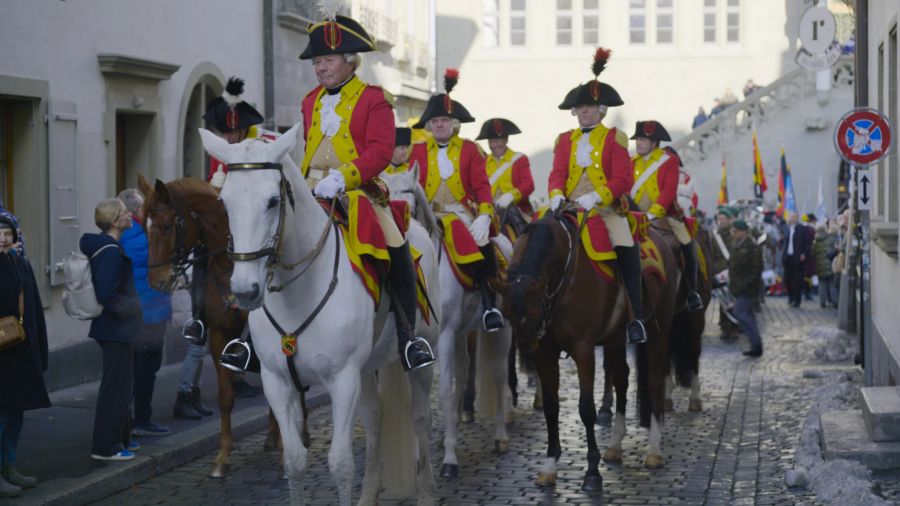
x=415, y=352
x=492, y=318
x=629, y=263
x=694, y=302
x=238, y=356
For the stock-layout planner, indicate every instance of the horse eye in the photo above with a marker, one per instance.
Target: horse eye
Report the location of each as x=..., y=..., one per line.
x=274, y=201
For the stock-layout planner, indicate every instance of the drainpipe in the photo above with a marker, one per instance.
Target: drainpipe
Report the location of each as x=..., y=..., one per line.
x=268, y=66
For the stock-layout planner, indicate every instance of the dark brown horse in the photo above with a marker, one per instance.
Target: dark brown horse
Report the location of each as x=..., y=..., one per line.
x=557, y=303
x=179, y=217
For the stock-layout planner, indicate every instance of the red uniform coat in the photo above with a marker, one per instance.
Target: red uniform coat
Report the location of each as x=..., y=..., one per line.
x=523, y=181
x=371, y=127
x=471, y=171
x=616, y=165
x=666, y=181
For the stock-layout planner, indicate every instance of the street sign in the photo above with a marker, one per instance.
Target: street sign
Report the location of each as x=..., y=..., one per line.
x=819, y=48
x=863, y=136
x=864, y=192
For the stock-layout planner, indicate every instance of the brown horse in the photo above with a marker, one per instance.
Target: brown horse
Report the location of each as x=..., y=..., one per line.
x=557, y=303
x=179, y=217
x=686, y=334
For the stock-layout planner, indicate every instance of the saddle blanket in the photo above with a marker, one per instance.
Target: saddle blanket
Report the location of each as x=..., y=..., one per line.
x=367, y=247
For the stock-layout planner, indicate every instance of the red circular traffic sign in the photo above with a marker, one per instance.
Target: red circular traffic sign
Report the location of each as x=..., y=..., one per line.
x=863, y=136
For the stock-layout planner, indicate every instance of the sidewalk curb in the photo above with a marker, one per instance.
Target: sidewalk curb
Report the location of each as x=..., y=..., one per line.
x=154, y=459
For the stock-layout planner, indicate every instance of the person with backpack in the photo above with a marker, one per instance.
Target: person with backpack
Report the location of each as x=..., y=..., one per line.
x=156, y=308
x=114, y=329
x=21, y=365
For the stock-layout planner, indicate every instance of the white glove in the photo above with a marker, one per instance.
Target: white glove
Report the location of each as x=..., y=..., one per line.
x=556, y=201
x=650, y=216
x=480, y=229
x=218, y=178
x=330, y=186
x=503, y=201
x=588, y=201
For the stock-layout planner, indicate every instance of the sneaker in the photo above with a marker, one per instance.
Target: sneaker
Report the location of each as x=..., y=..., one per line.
x=122, y=455
x=133, y=446
x=149, y=429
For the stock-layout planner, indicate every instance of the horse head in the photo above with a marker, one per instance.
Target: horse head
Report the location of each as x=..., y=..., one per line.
x=535, y=276
x=256, y=194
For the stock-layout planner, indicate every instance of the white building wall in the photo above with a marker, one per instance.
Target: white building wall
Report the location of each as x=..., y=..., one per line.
x=58, y=42
x=666, y=82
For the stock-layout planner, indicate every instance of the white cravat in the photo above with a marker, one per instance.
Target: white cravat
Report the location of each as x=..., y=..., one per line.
x=583, y=151
x=790, y=250
x=445, y=166
x=330, y=121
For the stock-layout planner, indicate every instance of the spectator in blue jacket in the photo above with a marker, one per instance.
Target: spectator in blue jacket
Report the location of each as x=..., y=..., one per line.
x=114, y=330
x=157, y=310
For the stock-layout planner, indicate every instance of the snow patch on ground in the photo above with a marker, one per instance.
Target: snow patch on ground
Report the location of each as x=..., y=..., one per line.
x=841, y=482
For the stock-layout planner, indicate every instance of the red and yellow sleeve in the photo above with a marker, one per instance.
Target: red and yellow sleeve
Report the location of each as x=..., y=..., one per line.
x=372, y=128
x=667, y=179
x=523, y=182
x=559, y=174
x=617, y=164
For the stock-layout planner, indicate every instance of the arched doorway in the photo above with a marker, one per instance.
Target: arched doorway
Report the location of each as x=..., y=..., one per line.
x=205, y=82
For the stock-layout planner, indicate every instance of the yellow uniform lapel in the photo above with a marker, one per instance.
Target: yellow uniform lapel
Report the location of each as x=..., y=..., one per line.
x=342, y=141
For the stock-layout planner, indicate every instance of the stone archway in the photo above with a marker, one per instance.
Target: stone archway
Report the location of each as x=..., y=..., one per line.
x=205, y=82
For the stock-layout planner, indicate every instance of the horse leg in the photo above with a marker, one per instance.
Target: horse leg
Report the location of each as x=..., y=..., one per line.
x=222, y=463
x=468, y=403
x=511, y=373
x=669, y=383
x=285, y=402
x=696, y=403
x=454, y=364
x=500, y=352
x=370, y=415
x=345, y=393
x=420, y=389
x=617, y=369
x=604, y=414
x=547, y=365
x=538, y=392
x=585, y=363
x=658, y=371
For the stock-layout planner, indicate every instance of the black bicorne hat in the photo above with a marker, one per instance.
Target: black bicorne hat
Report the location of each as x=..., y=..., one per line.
x=337, y=35
x=594, y=92
x=228, y=112
x=652, y=130
x=442, y=105
x=496, y=128
x=402, y=136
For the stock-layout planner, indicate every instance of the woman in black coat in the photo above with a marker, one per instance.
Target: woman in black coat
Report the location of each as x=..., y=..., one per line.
x=22, y=365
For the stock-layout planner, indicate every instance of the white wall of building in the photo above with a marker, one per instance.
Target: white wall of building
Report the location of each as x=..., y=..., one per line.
x=58, y=42
x=666, y=82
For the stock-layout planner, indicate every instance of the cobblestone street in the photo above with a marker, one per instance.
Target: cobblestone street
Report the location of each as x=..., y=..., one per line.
x=735, y=452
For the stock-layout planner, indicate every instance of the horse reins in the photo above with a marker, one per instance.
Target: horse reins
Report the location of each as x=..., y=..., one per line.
x=551, y=298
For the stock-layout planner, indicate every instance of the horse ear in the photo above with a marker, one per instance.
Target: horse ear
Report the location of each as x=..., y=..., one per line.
x=161, y=192
x=283, y=144
x=215, y=145
x=144, y=186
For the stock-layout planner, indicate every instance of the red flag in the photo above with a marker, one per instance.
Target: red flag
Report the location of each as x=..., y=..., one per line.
x=759, y=175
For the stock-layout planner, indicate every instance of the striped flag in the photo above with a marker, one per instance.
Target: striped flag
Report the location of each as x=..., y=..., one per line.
x=759, y=175
x=723, y=186
x=787, y=203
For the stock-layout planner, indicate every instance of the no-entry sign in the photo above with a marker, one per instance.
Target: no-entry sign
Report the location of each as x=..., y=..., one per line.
x=863, y=136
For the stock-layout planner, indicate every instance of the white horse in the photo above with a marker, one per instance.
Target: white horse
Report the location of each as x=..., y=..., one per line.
x=462, y=315
x=274, y=222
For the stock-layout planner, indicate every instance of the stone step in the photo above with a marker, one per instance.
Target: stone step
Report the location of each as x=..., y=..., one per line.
x=881, y=412
x=843, y=436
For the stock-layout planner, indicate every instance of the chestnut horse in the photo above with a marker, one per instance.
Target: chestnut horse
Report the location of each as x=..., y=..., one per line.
x=180, y=216
x=557, y=303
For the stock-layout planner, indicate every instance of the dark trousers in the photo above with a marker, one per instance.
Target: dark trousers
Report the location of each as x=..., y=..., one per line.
x=147, y=352
x=793, y=278
x=112, y=421
x=743, y=311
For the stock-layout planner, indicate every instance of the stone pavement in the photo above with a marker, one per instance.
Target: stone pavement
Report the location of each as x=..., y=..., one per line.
x=735, y=452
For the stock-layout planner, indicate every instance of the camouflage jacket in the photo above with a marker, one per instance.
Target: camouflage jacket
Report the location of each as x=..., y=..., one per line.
x=745, y=268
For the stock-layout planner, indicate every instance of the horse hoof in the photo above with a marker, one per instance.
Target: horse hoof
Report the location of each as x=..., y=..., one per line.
x=450, y=471
x=613, y=456
x=592, y=484
x=604, y=418
x=219, y=470
x=696, y=405
x=545, y=479
x=668, y=406
x=501, y=445
x=653, y=461
x=467, y=417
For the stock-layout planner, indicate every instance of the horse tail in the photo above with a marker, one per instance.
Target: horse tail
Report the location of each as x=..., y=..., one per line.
x=398, y=437
x=526, y=359
x=643, y=391
x=487, y=358
x=681, y=350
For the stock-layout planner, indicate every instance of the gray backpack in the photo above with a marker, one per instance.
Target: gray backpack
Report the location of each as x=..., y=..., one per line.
x=79, y=299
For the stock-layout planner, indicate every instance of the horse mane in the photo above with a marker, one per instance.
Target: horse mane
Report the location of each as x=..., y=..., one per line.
x=424, y=214
x=540, y=241
x=189, y=187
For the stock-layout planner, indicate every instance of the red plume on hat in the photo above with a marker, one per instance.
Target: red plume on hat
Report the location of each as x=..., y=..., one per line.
x=451, y=77
x=601, y=56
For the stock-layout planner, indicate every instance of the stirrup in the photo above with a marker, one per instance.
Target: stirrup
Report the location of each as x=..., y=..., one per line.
x=694, y=302
x=484, y=320
x=237, y=361
x=404, y=357
x=629, y=330
x=198, y=340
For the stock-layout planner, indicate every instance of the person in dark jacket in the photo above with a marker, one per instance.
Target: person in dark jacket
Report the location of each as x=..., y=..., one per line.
x=156, y=308
x=114, y=330
x=744, y=280
x=22, y=365
x=797, y=248
x=823, y=248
